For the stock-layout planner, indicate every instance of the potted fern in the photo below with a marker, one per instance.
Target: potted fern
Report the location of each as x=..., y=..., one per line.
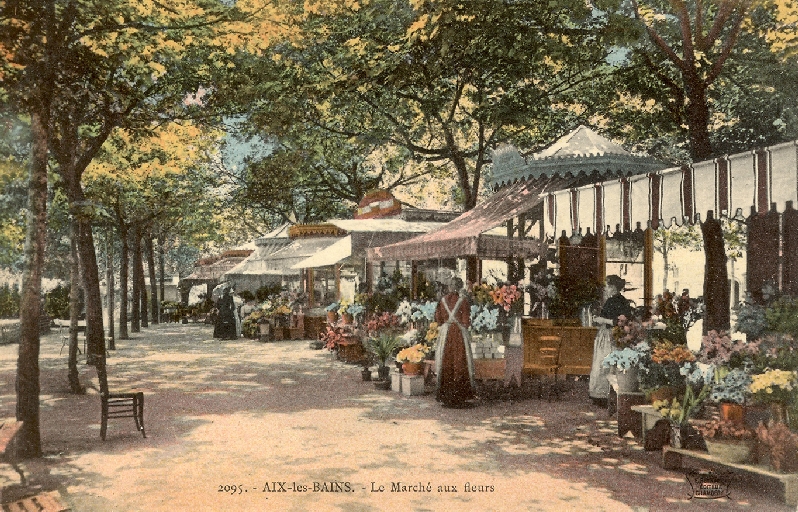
x=383, y=346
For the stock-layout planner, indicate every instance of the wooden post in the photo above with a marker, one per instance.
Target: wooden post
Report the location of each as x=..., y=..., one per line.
x=519, y=268
x=511, y=269
x=414, y=279
x=648, y=268
x=311, y=288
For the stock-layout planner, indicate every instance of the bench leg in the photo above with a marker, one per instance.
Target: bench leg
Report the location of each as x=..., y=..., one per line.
x=139, y=413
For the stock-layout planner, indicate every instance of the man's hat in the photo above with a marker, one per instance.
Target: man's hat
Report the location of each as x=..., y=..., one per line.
x=616, y=281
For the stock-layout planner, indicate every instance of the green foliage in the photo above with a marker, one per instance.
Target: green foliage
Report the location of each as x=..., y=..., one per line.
x=266, y=291
x=9, y=301
x=782, y=316
x=384, y=346
x=56, y=302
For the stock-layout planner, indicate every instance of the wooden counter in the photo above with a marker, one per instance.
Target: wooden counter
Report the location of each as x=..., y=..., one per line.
x=576, y=351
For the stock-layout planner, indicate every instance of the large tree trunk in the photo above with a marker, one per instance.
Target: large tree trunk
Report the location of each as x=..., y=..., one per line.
x=95, y=333
x=27, y=384
x=716, y=280
x=124, y=264
x=697, y=112
x=74, y=298
x=135, y=314
x=154, y=304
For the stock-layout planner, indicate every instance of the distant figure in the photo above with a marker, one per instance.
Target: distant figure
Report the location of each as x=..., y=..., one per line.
x=225, y=327
x=615, y=306
x=453, y=360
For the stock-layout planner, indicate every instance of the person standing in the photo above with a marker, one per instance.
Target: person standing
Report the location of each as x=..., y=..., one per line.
x=615, y=306
x=226, y=321
x=453, y=361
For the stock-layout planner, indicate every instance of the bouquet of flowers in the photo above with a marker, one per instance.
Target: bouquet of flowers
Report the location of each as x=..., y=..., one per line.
x=724, y=429
x=773, y=386
x=484, y=319
x=412, y=354
x=733, y=388
x=623, y=359
x=629, y=331
x=506, y=296
x=717, y=348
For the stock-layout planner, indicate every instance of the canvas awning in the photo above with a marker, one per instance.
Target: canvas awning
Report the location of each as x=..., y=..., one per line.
x=464, y=236
x=731, y=186
x=282, y=262
x=329, y=255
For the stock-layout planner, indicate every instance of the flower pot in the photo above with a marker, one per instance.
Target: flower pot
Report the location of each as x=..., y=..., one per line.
x=735, y=451
x=347, y=318
x=383, y=372
x=316, y=345
x=409, y=368
x=332, y=317
x=732, y=412
x=627, y=381
x=382, y=384
x=365, y=374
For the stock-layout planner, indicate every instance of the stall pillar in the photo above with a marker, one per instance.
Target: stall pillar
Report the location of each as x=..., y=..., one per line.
x=648, y=269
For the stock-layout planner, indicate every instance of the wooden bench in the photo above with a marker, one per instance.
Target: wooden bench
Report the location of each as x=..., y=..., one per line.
x=44, y=502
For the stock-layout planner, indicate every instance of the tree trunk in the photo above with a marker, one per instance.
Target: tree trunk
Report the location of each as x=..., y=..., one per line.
x=697, y=112
x=144, y=306
x=27, y=384
x=109, y=281
x=161, y=266
x=124, y=264
x=154, y=303
x=135, y=312
x=95, y=334
x=74, y=298
x=716, y=280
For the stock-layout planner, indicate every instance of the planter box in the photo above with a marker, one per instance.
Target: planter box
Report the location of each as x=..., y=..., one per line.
x=412, y=385
x=396, y=381
x=489, y=369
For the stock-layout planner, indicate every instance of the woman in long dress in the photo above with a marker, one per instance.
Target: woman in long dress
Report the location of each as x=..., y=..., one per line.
x=615, y=306
x=453, y=360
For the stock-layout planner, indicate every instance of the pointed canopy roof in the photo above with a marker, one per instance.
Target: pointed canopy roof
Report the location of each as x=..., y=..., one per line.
x=583, y=151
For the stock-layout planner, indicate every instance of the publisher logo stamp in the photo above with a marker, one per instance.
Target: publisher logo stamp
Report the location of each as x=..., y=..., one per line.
x=709, y=485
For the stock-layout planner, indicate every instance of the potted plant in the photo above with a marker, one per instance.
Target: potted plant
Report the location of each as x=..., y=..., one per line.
x=727, y=440
x=730, y=393
x=663, y=371
x=625, y=363
x=332, y=312
x=383, y=346
x=411, y=358
x=777, y=388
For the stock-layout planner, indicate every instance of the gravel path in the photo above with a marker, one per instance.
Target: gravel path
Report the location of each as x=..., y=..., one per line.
x=277, y=426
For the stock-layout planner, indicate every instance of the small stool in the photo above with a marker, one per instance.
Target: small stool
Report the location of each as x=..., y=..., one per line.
x=123, y=405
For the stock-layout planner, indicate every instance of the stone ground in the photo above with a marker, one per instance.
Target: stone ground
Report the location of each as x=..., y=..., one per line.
x=230, y=422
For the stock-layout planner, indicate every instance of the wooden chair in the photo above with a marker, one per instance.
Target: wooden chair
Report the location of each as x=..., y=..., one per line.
x=546, y=362
x=123, y=405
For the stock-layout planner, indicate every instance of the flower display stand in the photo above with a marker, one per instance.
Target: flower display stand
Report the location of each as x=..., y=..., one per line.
x=784, y=485
x=648, y=417
x=396, y=381
x=489, y=369
x=621, y=403
x=412, y=385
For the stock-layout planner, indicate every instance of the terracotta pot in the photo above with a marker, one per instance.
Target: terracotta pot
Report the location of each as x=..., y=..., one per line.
x=347, y=318
x=663, y=393
x=412, y=368
x=332, y=317
x=732, y=412
x=778, y=413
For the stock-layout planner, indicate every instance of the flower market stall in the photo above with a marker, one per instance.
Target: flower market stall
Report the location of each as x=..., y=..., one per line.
x=508, y=227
